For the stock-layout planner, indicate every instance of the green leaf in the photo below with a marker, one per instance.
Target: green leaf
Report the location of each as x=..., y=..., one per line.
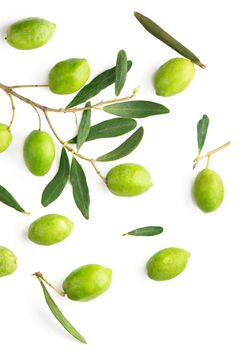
x=84, y=127
x=166, y=38
x=145, y=231
x=202, y=127
x=60, y=317
x=98, y=84
x=80, y=188
x=136, y=109
x=120, y=71
x=125, y=148
x=8, y=199
x=109, y=128
x=55, y=187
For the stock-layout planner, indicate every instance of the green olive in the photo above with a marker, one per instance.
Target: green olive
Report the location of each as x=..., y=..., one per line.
x=50, y=229
x=5, y=137
x=30, y=33
x=8, y=261
x=173, y=77
x=87, y=282
x=39, y=152
x=167, y=263
x=68, y=76
x=128, y=180
x=208, y=190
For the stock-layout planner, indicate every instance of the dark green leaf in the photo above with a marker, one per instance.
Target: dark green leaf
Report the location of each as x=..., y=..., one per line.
x=160, y=34
x=84, y=127
x=55, y=187
x=136, y=109
x=60, y=317
x=80, y=188
x=98, y=84
x=109, y=128
x=125, y=148
x=202, y=131
x=8, y=199
x=145, y=231
x=120, y=72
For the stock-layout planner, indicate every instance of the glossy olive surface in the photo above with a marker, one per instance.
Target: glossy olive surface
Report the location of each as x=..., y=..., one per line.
x=8, y=261
x=5, y=137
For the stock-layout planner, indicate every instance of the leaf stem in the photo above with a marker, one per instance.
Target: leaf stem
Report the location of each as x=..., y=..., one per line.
x=210, y=153
x=41, y=277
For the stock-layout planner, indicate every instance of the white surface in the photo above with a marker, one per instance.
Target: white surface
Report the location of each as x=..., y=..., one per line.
x=197, y=310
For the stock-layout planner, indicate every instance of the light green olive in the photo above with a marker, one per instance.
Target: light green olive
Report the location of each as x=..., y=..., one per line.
x=5, y=137
x=208, y=190
x=167, y=264
x=8, y=261
x=30, y=33
x=39, y=152
x=173, y=77
x=68, y=76
x=128, y=180
x=87, y=282
x=50, y=229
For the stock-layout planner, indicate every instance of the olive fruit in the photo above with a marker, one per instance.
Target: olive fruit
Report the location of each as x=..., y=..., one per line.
x=208, y=190
x=128, y=180
x=87, y=282
x=173, y=77
x=39, y=152
x=68, y=76
x=167, y=264
x=30, y=33
x=8, y=261
x=50, y=229
x=5, y=137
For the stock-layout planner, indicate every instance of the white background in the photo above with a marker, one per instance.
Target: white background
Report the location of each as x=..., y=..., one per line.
x=197, y=310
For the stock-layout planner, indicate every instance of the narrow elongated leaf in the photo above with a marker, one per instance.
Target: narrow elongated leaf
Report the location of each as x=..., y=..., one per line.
x=55, y=187
x=80, y=188
x=136, y=109
x=125, y=148
x=109, y=128
x=84, y=127
x=60, y=317
x=98, y=84
x=145, y=231
x=202, y=127
x=166, y=38
x=8, y=199
x=120, y=71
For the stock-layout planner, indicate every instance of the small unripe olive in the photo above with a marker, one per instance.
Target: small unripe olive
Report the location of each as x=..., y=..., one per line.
x=128, y=180
x=68, y=76
x=5, y=137
x=30, y=33
x=50, y=229
x=173, y=77
x=39, y=152
x=87, y=282
x=167, y=264
x=208, y=190
x=8, y=261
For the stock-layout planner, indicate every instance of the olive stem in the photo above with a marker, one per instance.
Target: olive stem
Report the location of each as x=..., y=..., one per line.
x=93, y=162
x=41, y=277
x=28, y=86
x=37, y=112
x=210, y=153
x=13, y=110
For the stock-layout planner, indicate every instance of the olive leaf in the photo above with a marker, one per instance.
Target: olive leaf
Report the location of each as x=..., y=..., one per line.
x=202, y=127
x=120, y=71
x=109, y=128
x=136, y=109
x=125, y=148
x=8, y=199
x=59, y=315
x=145, y=231
x=84, y=127
x=98, y=84
x=80, y=188
x=55, y=187
x=154, y=29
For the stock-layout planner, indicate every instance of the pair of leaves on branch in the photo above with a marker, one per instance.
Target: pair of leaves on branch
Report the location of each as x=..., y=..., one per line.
x=78, y=180
x=8, y=199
